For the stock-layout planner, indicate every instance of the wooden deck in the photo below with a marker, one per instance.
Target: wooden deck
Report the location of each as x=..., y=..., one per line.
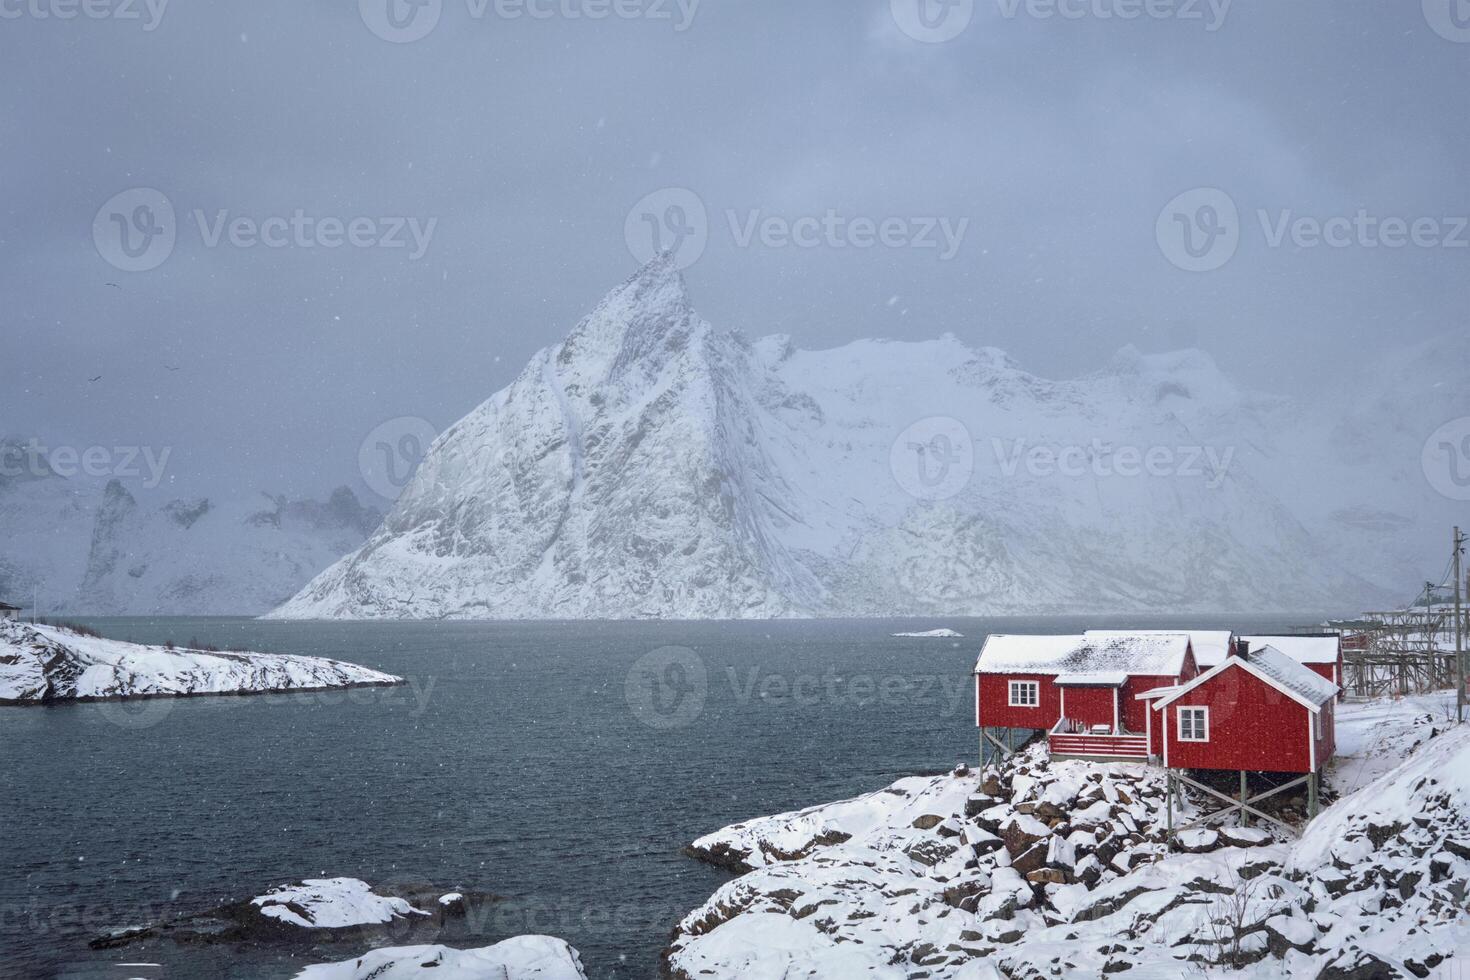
x=1121, y=748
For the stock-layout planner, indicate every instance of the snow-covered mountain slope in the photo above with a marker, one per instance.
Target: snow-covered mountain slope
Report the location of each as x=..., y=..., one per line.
x=656, y=466
x=49, y=664
x=81, y=549
x=1042, y=869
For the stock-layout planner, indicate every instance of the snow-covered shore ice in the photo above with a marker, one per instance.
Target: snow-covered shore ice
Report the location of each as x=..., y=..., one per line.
x=521, y=958
x=1041, y=869
x=50, y=664
x=940, y=634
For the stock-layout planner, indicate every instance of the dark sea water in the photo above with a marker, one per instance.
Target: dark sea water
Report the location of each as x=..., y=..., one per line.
x=562, y=765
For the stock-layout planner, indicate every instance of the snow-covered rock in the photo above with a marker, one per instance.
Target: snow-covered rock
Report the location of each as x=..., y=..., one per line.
x=653, y=465
x=1041, y=869
x=521, y=958
x=332, y=903
x=308, y=913
x=47, y=664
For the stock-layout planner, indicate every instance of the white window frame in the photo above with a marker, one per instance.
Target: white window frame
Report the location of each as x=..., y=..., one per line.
x=1033, y=686
x=1183, y=727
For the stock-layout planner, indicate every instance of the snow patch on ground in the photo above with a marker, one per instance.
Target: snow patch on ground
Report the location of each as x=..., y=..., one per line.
x=521, y=958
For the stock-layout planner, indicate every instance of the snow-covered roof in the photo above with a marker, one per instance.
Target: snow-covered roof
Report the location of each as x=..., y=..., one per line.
x=1097, y=652
x=1302, y=649
x=1210, y=646
x=1302, y=684
x=1292, y=675
x=1113, y=679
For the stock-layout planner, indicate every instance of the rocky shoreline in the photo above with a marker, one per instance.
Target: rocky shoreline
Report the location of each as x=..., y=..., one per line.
x=49, y=665
x=1060, y=869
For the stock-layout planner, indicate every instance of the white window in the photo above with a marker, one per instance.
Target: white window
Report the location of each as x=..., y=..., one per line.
x=1194, y=724
x=1025, y=694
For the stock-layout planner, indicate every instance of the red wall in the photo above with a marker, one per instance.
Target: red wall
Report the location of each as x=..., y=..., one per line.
x=1091, y=705
x=1253, y=726
x=1333, y=672
x=995, y=712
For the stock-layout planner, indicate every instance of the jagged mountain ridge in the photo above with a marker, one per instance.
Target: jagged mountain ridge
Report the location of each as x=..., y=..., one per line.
x=653, y=465
x=75, y=548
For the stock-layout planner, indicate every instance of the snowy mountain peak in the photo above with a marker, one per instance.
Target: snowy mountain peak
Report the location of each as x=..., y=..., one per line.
x=648, y=316
x=655, y=466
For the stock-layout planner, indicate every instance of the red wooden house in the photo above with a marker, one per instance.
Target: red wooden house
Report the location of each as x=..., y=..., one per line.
x=1082, y=690
x=1256, y=711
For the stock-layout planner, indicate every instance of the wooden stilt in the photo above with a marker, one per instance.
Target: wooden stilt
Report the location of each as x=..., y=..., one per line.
x=1169, y=806
x=1236, y=806
x=1244, y=798
x=1312, y=796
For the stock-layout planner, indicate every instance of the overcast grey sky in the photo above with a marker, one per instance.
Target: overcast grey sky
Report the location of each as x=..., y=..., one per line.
x=528, y=140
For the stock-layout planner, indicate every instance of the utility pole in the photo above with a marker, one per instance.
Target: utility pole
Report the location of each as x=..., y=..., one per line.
x=1459, y=634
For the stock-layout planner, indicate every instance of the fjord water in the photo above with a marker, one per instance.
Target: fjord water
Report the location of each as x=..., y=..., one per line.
x=561, y=765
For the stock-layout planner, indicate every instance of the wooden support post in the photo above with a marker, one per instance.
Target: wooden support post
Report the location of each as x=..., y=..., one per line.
x=1169, y=807
x=1244, y=799
x=1312, y=797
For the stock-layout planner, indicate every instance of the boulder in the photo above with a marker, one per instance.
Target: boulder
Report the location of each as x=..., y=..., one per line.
x=1358, y=964
x=1244, y=837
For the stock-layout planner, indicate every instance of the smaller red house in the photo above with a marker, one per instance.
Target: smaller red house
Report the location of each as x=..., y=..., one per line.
x=1257, y=711
x=1081, y=689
